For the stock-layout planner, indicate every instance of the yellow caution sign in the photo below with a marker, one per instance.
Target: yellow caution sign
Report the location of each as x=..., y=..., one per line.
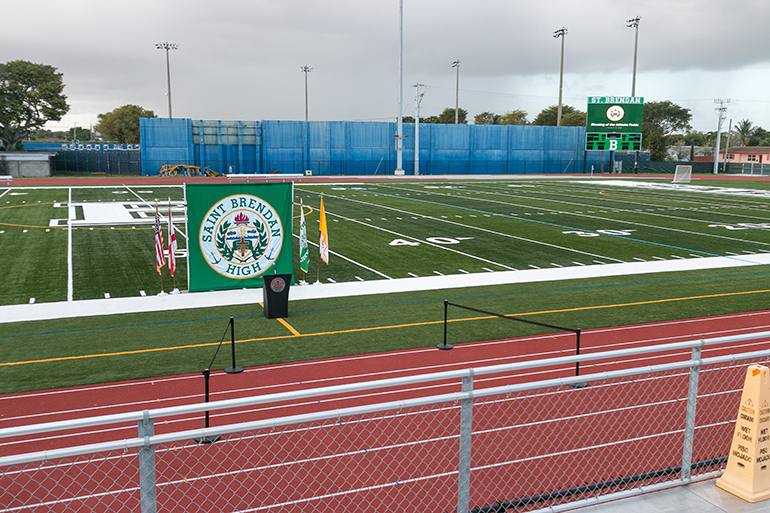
x=748, y=466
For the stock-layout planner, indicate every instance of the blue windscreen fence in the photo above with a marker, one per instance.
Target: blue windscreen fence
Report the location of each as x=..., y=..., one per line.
x=362, y=148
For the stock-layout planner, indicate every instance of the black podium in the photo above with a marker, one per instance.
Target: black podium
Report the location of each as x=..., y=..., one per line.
x=275, y=295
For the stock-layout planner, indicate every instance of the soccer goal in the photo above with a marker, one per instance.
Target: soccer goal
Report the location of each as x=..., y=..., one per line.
x=682, y=174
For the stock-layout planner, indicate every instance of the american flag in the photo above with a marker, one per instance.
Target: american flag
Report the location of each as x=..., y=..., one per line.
x=160, y=259
x=171, y=242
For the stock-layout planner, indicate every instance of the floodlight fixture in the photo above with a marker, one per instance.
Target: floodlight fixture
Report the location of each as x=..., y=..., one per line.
x=167, y=46
x=634, y=23
x=456, y=64
x=306, y=70
x=560, y=33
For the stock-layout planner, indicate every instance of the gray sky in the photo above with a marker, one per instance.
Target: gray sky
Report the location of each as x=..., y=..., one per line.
x=241, y=59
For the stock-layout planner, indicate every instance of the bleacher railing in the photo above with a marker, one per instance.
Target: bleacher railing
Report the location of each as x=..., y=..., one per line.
x=557, y=443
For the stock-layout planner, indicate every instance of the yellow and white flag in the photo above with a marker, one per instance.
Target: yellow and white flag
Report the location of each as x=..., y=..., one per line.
x=323, y=245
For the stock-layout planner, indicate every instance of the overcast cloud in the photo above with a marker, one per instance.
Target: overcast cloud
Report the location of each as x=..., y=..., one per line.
x=240, y=60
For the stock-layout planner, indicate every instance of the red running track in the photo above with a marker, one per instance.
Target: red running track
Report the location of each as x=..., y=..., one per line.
x=188, y=474
x=130, y=396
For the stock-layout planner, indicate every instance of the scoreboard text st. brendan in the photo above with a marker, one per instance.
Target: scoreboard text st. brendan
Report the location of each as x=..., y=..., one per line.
x=614, y=123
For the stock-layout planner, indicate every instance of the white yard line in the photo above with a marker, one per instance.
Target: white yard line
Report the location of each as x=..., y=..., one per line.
x=508, y=235
x=4, y=193
x=721, y=213
x=71, y=213
x=633, y=223
x=421, y=241
x=93, y=307
x=160, y=212
x=350, y=260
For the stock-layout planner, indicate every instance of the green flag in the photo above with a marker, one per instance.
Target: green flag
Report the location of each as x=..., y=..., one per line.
x=304, y=255
x=237, y=233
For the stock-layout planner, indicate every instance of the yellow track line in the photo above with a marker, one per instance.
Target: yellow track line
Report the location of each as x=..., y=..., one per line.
x=377, y=328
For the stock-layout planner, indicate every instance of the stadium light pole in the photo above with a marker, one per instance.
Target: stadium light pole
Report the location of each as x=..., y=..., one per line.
x=306, y=70
x=634, y=23
x=400, y=124
x=721, y=114
x=417, y=100
x=456, y=64
x=167, y=46
x=560, y=33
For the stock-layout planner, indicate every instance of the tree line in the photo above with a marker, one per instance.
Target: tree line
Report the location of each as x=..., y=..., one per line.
x=32, y=95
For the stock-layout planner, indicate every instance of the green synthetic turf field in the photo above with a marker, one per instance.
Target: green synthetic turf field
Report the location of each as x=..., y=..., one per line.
x=377, y=231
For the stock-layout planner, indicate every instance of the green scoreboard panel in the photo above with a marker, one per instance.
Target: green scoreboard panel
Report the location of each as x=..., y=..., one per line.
x=614, y=123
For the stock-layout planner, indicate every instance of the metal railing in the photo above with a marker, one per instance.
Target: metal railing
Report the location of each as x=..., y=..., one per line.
x=557, y=443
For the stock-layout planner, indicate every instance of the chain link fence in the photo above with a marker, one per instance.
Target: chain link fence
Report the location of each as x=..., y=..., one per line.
x=554, y=444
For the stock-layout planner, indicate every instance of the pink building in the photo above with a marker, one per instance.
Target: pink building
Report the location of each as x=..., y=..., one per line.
x=746, y=155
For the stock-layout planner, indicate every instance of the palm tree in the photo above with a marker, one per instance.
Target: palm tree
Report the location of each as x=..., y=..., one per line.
x=743, y=130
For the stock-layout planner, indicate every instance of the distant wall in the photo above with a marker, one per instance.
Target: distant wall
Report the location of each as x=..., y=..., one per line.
x=361, y=148
x=25, y=165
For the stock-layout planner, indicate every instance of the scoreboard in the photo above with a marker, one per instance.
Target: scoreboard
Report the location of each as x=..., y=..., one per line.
x=614, y=123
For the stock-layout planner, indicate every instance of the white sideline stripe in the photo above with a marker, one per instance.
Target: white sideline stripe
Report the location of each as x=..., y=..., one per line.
x=71, y=213
x=92, y=307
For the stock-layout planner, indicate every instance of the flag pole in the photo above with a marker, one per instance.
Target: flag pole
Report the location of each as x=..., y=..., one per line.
x=159, y=259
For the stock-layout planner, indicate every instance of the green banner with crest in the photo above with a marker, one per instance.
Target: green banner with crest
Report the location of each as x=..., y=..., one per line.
x=237, y=233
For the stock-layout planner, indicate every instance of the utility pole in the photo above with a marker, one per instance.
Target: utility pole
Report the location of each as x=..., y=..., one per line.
x=306, y=70
x=417, y=99
x=727, y=145
x=634, y=23
x=400, y=128
x=167, y=47
x=721, y=114
x=560, y=33
x=456, y=64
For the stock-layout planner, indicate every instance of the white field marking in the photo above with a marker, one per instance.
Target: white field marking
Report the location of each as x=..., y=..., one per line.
x=683, y=208
x=413, y=275
x=486, y=231
x=749, y=252
x=463, y=271
x=620, y=220
x=599, y=262
x=2, y=231
x=640, y=259
x=536, y=267
x=106, y=295
x=359, y=278
x=54, y=187
x=556, y=265
x=379, y=374
x=32, y=301
x=578, y=263
x=71, y=214
x=693, y=254
x=24, y=231
x=4, y=193
x=658, y=258
x=436, y=272
x=349, y=260
x=331, y=281
x=48, y=229
x=403, y=236
x=634, y=223
x=142, y=293
x=677, y=256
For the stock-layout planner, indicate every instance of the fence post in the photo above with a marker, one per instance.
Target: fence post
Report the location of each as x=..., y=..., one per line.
x=147, y=491
x=689, y=421
x=466, y=430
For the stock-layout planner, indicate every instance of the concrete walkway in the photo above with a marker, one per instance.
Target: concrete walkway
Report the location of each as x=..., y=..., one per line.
x=92, y=307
